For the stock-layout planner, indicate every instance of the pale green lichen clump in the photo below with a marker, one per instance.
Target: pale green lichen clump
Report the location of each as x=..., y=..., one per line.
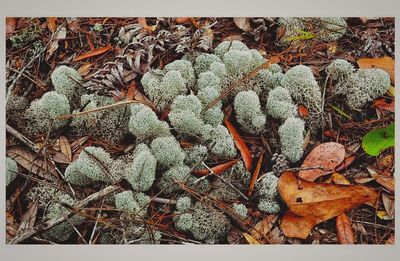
x=93, y=165
x=139, y=169
x=268, y=194
x=67, y=81
x=280, y=104
x=11, y=170
x=291, y=134
x=167, y=151
x=135, y=203
x=240, y=209
x=64, y=230
x=144, y=123
x=248, y=112
x=44, y=111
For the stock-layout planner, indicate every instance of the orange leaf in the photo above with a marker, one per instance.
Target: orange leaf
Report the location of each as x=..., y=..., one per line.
x=339, y=179
x=327, y=155
x=65, y=147
x=296, y=226
x=343, y=229
x=263, y=227
x=217, y=169
x=382, y=103
x=52, y=23
x=183, y=20
x=92, y=53
x=385, y=63
x=142, y=21
x=303, y=111
x=11, y=22
x=311, y=203
x=255, y=175
x=240, y=144
x=346, y=162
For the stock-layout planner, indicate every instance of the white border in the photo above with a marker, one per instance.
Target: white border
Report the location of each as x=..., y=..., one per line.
x=126, y=8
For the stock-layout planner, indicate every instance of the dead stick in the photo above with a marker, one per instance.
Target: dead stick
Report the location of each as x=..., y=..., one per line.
x=22, y=138
x=68, y=116
x=55, y=221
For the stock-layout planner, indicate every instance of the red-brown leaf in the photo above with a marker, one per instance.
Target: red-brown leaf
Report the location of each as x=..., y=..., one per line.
x=240, y=144
x=384, y=104
x=303, y=111
x=11, y=22
x=93, y=53
x=344, y=231
x=255, y=175
x=327, y=155
x=216, y=169
x=52, y=23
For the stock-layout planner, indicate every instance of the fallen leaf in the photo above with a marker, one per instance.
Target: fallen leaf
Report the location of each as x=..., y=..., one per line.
x=11, y=22
x=382, y=214
x=263, y=227
x=385, y=63
x=78, y=143
x=255, y=175
x=384, y=104
x=65, y=147
x=386, y=182
x=28, y=161
x=217, y=169
x=29, y=218
x=303, y=111
x=84, y=69
x=391, y=240
x=240, y=144
x=386, y=161
x=52, y=23
x=60, y=34
x=339, y=179
x=346, y=162
x=142, y=21
x=93, y=53
x=327, y=155
x=391, y=91
x=58, y=156
x=183, y=20
x=378, y=139
x=251, y=240
x=344, y=231
x=243, y=23
x=311, y=203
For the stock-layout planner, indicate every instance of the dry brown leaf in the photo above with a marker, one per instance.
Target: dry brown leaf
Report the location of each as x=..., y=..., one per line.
x=217, y=169
x=255, y=175
x=388, y=203
x=344, y=231
x=387, y=182
x=339, y=179
x=60, y=34
x=386, y=161
x=243, y=23
x=11, y=23
x=93, y=53
x=183, y=20
x=311, y=203
x=384, y=104
x=346, y=162
x=65, y=147
x=240, y=144
x=251, y=240
x=303, y=111
x=58, y=156
x=385, y=63
x=78, y=143
x=263, y=227
x=84, y=69
x=391, y=240
x=29, y=218
x=52, y=23
x=327, y=155
x=28, y=161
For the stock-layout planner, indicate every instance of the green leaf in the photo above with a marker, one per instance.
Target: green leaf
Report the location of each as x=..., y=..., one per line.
x=303, y=35
x=378, y=139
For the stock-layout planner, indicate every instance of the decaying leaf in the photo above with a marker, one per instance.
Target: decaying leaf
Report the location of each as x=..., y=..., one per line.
x=93, y=53
x=11, y=22
x=263, y=227
x=28, y=161
x=65, y=147
x=343, y=229
x=217, y=169
x=339, y=179
x=255, y=175
x=52, y=23
x=385, y=63
x=29, y=218
x=327, y=155
x=303, y=111
x=310, y=203
x=251, y=240
x=240, y=144
x=387, y=182
x=243, y=23
x=61, y=33
x=384, y=104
